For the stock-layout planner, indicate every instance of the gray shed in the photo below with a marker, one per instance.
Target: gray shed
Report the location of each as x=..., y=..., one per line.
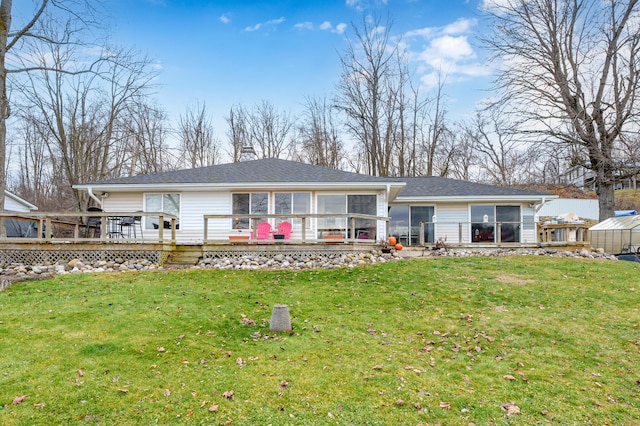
x=617, y=234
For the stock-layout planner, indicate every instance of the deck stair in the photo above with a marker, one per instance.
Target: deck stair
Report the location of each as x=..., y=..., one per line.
x=183, y=255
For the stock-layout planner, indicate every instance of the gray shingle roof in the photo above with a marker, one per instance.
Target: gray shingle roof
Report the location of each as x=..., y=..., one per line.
x=268, y=170
x=433, y=186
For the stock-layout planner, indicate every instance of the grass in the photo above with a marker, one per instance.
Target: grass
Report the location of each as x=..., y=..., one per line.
x=415, y=342
x=627, y=199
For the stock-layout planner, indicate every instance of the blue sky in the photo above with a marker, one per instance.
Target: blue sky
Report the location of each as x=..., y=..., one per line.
x=232, y=51
x=229, y=52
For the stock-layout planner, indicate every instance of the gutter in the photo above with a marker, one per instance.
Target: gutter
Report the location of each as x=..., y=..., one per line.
x=538, y=206
x=93, y=196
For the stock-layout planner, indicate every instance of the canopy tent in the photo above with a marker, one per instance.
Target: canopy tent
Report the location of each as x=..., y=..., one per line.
x=620, y=234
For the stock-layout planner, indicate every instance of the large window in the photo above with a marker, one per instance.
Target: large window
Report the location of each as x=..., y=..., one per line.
x=166, y=203
x=404, y=224
x=485, y=218
x=341, y=204
x=252, y=203
x=292, y=203
x=364, y=204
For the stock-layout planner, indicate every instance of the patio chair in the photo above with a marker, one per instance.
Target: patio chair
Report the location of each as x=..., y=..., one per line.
x=92, y=227
x=130, y=223
x=284, y=228
x=263, y=231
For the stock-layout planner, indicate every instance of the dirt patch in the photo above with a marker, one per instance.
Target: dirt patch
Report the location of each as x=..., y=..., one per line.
x=513, y=279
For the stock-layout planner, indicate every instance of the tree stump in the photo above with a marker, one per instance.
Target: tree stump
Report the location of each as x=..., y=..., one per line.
x=280, y=319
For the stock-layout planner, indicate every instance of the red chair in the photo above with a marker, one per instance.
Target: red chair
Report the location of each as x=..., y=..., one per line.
x=263, y=231
x=284, y=228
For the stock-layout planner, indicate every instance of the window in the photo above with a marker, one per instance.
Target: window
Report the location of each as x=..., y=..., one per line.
x=341, y=204
x=364, y=204
x=253, y=203
x=404, y=224
x=484, y=219
x=332, y=203
x=292, y=203
x=166, y=203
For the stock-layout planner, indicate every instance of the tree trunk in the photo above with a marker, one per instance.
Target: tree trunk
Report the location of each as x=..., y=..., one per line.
x=606, y=201
x=5, y=25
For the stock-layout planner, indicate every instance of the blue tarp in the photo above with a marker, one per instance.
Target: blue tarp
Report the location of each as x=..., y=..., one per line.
x=625, y=213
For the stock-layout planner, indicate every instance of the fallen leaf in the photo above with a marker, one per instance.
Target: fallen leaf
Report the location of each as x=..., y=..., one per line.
x=445, y=405
x=284, y=384
x=511, y=408
x=161, y=349
x=123, y=390
x=377, y=367
x=508, y=377
x=167, y=392
x=228, y=395
x=399, y=402
x=80, y=373
x=19, y=399
x=213, y=408
x=239, y=362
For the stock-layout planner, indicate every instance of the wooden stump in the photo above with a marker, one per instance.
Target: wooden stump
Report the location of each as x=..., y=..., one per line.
x=280, y=319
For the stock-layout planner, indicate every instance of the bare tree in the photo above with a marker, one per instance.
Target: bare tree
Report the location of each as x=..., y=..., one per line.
x=437, y=132
x=573, y=69
x=15, y=38
x=238, y=131
x=143, y=131
x=495, y=142
x=318, y=135
x=79, y=113
x=198, y=145
x=368, y=93
x=464, y=161
x=270, y=130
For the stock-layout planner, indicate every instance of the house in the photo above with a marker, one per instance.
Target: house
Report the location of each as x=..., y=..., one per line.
x=14, y=227
x=464, y=213
x=581, y=177
x=322, y=202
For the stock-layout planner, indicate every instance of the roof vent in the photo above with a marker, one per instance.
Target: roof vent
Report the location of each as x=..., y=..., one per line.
x=247, y=153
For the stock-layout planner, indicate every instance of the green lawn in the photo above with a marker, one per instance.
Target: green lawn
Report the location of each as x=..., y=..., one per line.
x=405, y=343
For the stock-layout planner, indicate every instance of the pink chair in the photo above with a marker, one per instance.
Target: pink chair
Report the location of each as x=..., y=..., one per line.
x=263, y=231
x=284, y=228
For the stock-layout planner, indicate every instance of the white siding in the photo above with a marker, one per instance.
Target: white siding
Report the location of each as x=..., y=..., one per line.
x=194, y=205
x=448, y=217
x=529, y=229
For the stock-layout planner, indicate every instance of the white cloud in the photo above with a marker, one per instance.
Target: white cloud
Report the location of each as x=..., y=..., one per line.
x=445, y=51
x=253, y=28
x=341, y=28
x=304, y=26
x=326, y=25
x=461, y=26
x=493, y=4
x=224, y=18
x=456, y=48
x=270, y=23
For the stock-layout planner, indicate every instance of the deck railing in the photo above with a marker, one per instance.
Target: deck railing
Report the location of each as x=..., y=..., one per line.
x=349, y=227
x=91, y=226
x=498, y=233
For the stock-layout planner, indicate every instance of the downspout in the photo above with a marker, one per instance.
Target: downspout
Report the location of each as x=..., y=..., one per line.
x=93, y=196
x=537, y=207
